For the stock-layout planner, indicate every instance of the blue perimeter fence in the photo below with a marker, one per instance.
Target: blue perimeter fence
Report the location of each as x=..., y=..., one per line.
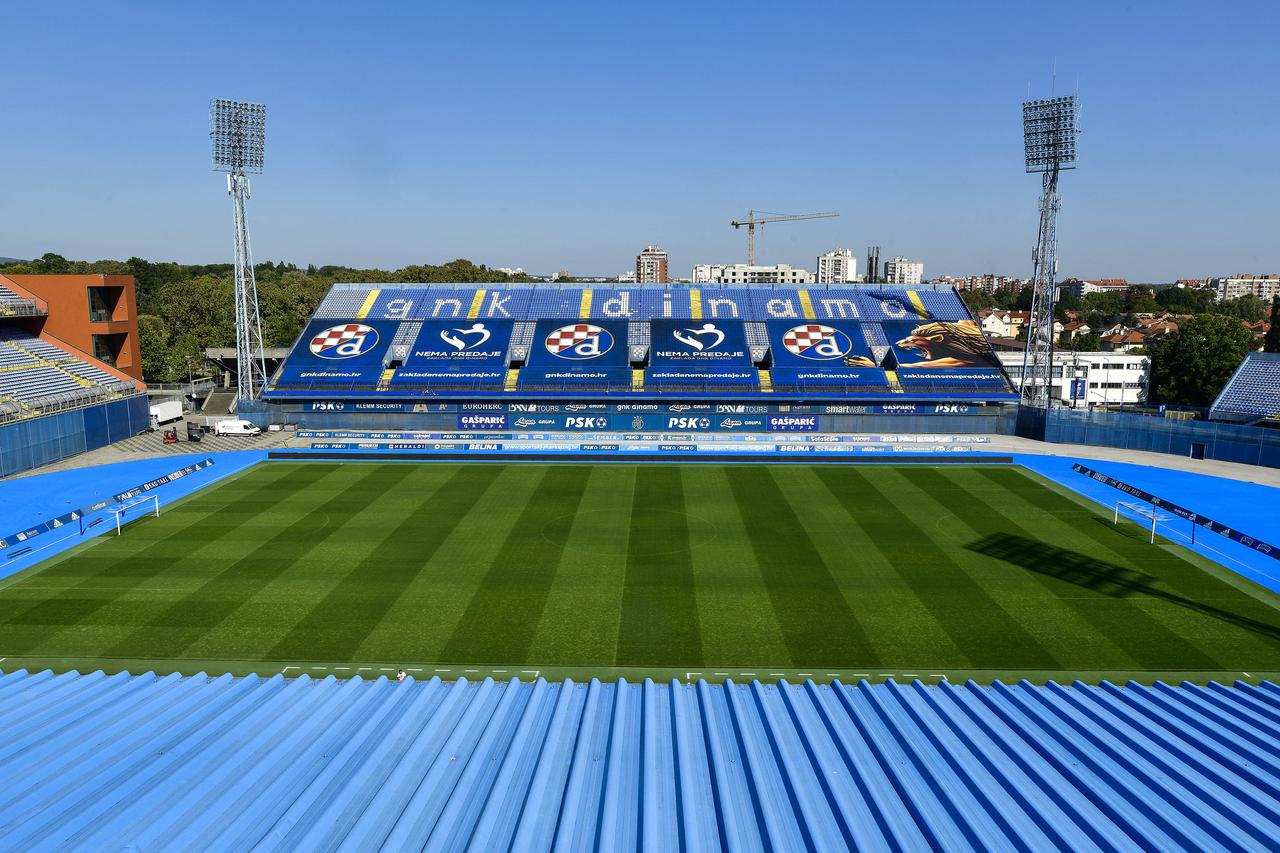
x=39, y=441
x=1221, y=441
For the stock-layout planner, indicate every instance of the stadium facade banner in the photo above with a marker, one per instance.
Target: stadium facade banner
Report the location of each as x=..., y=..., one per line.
x=591, y=355
x=817, y=355
x=936, y=349
x=75, y=515
x=472, y=353
x=339, y=353
x=693, y=352
x=814, y=345
x=579, y=345
x=1192, y=516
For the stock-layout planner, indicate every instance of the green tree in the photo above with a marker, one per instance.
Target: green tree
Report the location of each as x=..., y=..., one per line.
x=1191, y=367
x=1271, y=342
x=1091, y=342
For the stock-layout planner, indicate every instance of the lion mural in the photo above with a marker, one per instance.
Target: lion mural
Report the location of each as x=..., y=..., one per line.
x=940, y=344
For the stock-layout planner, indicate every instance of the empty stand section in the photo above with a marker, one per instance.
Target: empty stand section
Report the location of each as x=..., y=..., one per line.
x=821, y=340
x=1254, y=389
x=35, y=375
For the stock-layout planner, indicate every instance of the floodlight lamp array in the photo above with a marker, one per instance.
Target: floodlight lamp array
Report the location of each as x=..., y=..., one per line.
x=238, y=132
x=1049, y=133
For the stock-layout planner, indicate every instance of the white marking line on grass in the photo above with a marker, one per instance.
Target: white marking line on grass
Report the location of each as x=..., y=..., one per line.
x=442, y=670
x=499, y=670
x=804, y=674
x=363, y=668
x=941, y=675
x=722, y=673
x=286, y=669
x=342, y=667
x=1247, y=674
x=862, y=675
x=533, y=672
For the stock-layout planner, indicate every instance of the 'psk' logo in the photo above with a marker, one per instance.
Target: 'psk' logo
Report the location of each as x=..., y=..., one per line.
x=579, y=341
x=346, y=341
x=817, y=342
x=706, y=338
x=465, y=339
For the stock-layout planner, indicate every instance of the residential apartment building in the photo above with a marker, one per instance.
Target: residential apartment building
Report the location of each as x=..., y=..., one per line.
x=651, y=266
x=839, y=266
x=903, y=271
x=988, y=283
x=1084, y=380
x=1264, y=287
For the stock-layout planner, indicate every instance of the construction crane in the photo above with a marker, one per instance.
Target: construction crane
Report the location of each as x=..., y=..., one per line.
x=751, y=222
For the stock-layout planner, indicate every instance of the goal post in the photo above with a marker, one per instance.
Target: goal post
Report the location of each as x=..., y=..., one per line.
x=136, y=508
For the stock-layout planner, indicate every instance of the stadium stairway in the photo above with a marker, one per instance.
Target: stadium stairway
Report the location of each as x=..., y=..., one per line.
x=219, y=402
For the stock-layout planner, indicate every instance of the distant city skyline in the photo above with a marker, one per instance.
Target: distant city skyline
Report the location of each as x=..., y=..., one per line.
x=418, y=135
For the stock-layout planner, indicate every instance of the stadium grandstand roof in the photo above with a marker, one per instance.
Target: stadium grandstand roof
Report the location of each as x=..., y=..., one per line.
x=1254, y=389
x=148, y=762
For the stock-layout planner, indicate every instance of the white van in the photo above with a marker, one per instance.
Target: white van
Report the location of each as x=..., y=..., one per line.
x=235, y=427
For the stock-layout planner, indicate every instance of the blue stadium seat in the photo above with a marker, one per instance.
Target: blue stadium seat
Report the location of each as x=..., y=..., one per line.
x=1253, y=390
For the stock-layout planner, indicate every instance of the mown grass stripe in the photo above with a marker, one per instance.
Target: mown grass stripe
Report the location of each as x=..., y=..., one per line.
x=183, y=622
x=500, y=622
x=735, y=616
x=989, y=637
x=819, y=627
x=1136, y=639
x=583, y=612
x=339, y=622
x=659, y=622
x=895, y=619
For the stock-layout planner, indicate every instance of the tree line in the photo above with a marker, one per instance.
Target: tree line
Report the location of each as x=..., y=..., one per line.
x=185, y=308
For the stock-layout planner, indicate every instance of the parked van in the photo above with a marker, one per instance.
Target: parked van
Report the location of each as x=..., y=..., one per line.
x=235, y=426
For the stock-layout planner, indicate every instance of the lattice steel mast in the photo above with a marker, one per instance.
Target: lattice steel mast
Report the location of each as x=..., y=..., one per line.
x=1049, y=135
x=237, y=130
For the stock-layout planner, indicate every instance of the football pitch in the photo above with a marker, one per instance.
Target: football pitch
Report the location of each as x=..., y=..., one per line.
x=695, y=570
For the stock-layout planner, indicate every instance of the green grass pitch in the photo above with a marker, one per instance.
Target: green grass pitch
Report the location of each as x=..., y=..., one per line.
x=765, y=568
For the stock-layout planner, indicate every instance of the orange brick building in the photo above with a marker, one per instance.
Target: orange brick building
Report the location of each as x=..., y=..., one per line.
x=88, y=315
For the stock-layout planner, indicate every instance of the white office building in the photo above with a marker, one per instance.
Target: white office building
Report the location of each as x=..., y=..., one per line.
x=1265, y=287
x=903, y=271
x=707, y=273
x=1086, y=380
x=760, y=274
x=838, y=266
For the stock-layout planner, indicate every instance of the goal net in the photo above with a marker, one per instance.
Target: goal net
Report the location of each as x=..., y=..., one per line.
x=133, y=509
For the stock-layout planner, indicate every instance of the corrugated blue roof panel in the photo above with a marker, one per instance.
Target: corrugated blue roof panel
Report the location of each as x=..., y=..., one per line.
x=148, y=762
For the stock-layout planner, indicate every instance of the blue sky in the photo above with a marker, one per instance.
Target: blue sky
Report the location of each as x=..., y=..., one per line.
x=564, y=135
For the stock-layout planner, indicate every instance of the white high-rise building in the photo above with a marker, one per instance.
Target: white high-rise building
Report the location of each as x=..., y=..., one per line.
x=1233, y=287
x=838, y=266
x=902, y=271
x=707, y=273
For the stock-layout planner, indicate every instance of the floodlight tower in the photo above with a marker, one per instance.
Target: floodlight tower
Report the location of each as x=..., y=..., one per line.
x=238, y=132
x=1049, y=136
